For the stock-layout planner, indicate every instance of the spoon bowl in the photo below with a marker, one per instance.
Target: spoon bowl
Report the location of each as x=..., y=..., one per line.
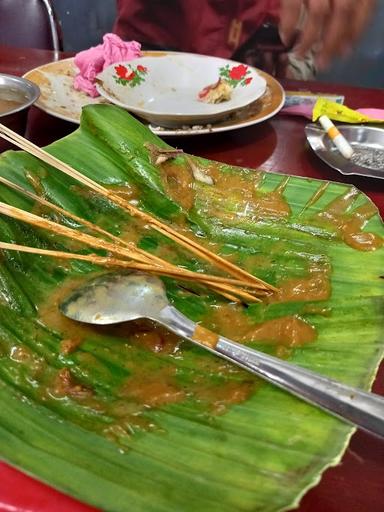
x=115, y=298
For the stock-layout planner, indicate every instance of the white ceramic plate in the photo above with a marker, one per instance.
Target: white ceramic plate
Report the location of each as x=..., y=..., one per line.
x=59, y=99
x=165, y=89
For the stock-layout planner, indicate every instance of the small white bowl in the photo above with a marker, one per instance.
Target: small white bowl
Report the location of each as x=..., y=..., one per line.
x=164, y=89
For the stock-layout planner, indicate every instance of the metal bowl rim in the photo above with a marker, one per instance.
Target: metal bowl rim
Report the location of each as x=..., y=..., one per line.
x=35, y=93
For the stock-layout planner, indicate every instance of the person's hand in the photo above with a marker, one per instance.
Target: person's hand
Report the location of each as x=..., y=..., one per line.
x=330, y=27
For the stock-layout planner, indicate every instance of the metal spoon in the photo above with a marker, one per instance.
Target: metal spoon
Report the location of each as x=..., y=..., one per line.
x=114, y=298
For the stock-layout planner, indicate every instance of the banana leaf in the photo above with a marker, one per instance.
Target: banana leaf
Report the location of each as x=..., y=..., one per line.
x=260, y=451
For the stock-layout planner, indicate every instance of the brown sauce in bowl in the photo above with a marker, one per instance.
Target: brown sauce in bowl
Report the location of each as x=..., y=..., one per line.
x=9, y=105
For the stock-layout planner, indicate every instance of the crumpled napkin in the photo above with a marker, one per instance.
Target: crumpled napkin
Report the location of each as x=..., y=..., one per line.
x=91, y=62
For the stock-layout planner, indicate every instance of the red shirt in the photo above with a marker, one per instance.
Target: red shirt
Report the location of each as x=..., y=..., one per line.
x=212, y=27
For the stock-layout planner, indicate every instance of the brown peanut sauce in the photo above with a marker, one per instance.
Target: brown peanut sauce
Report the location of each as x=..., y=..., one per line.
x=350, y=225
x=315, y=287
x=148, y=386
x=250, y=201
x=205, y=336
x=6, y=105
x=152, y=386
x=246, y=198
x=212, y=382
x=231, y=322
x=178, y=183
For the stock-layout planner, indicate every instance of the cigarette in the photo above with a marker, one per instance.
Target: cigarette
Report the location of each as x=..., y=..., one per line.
x=339, y=140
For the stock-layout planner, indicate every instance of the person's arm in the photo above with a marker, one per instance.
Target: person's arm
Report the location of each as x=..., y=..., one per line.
x=330, y=27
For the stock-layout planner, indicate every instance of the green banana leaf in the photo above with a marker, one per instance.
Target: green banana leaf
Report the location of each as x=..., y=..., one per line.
x=260, y=452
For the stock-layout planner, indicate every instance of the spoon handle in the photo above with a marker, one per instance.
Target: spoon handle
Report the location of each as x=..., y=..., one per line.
x=365, y=410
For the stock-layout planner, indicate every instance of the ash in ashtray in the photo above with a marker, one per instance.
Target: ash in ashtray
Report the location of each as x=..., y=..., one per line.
x=370, y=158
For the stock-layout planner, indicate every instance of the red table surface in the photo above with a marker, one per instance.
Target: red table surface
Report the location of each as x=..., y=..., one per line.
x=357, y=483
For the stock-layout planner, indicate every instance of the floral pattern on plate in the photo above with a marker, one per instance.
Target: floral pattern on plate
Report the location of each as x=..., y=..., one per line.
x=236, y=75
x=130, y=75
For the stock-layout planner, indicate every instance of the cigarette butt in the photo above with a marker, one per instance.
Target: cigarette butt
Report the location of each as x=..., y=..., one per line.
x=339, y=140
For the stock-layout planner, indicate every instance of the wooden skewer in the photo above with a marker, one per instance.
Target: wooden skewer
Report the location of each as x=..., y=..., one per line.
x=146, y=256
x=192, y=246
x=197, y=249
x=79, y=220
x=72, y=234
x=35, y=220
x=93, y=227
x=232, y=293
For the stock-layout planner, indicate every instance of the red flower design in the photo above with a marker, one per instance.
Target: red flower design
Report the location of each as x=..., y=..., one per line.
x=238, y=72
x=248, y=80
x=121, y=71
x=131, y=76
x=127, y=75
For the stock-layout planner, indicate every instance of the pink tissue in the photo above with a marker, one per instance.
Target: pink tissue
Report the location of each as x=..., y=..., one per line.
x=374, y=113
x=91, y=62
